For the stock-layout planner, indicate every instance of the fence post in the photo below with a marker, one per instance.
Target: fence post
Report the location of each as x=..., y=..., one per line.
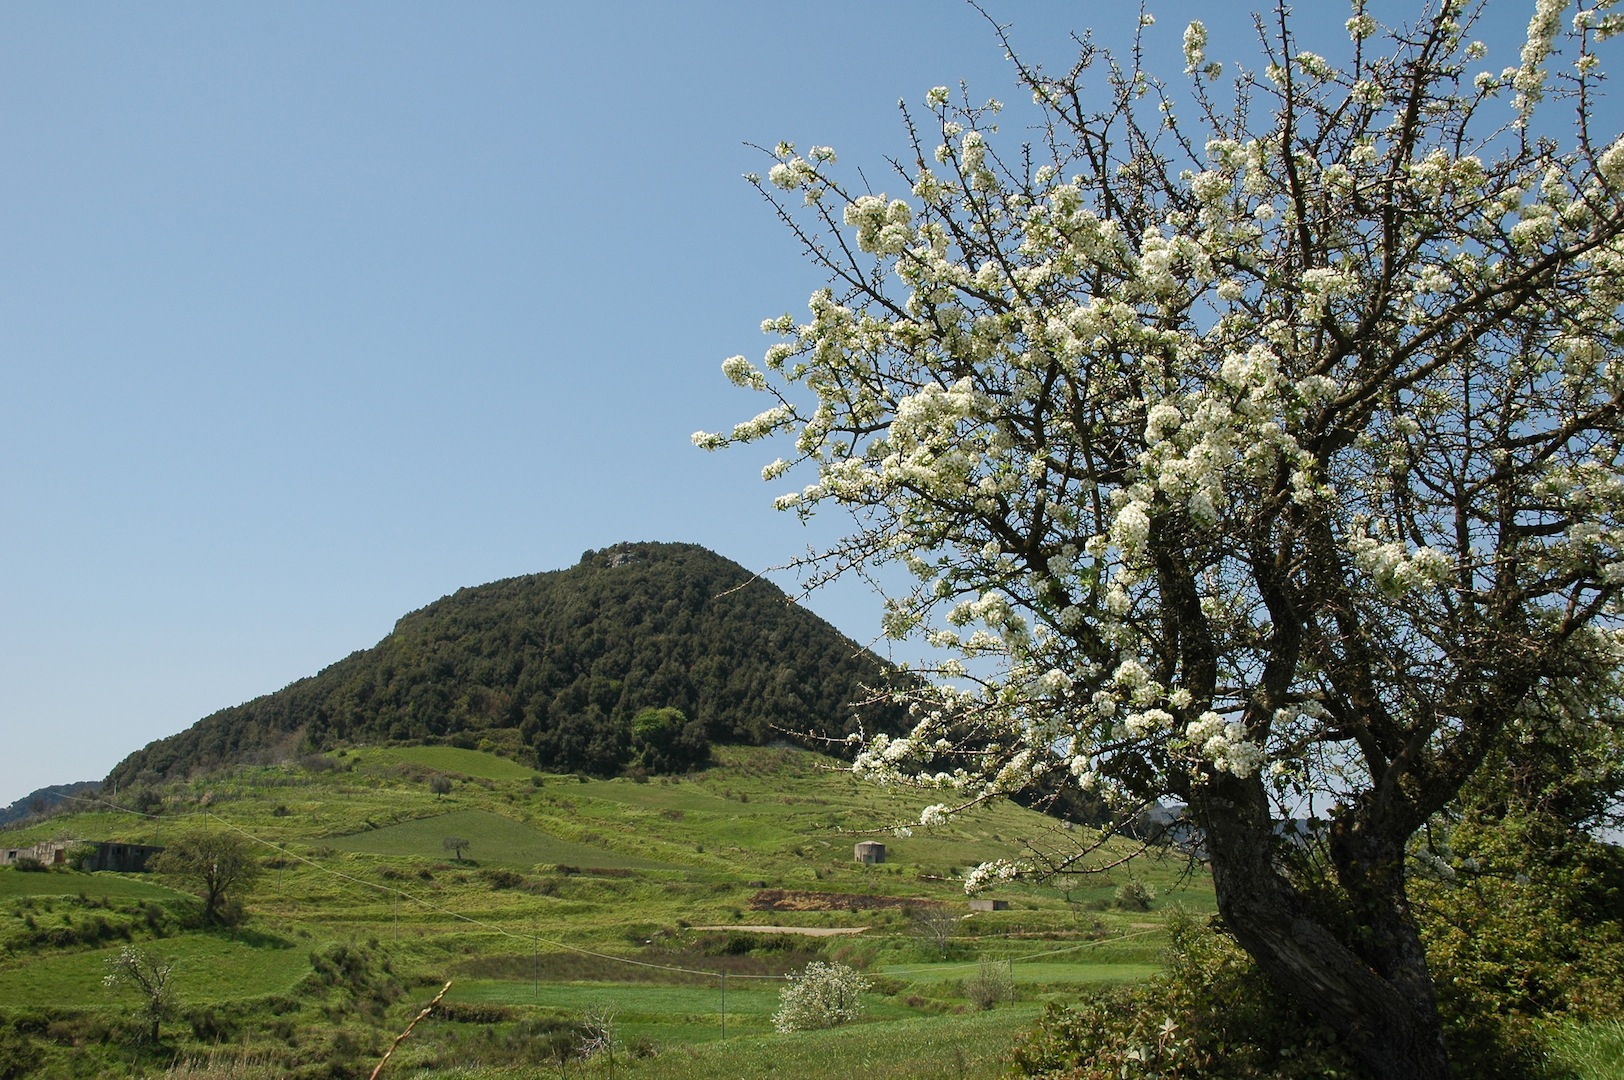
x=724, y=1004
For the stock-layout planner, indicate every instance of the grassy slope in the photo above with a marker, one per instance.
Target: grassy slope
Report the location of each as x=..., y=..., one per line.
x=356, y=857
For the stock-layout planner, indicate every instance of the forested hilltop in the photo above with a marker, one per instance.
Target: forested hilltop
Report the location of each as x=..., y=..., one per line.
x=556, y=666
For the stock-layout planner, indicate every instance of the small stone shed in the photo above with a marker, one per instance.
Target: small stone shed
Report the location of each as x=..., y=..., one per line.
x=869, y=851
x=989, y=905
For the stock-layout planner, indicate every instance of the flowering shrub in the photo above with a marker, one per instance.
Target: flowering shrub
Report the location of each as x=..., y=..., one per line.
x=821, y=996
x=1134, y=895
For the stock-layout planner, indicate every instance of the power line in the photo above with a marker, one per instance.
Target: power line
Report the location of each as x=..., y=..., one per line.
x=565, y=946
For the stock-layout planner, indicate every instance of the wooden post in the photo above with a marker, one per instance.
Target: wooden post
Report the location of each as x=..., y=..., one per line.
x=724, y=1004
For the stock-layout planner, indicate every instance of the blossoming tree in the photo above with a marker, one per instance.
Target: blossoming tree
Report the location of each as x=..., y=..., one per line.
x=1240, y=453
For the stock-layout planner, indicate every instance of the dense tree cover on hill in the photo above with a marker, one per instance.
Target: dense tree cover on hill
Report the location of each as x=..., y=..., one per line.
x=45, y=800
x=565, y=662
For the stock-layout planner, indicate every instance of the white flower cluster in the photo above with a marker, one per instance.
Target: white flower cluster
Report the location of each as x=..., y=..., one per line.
x=882, y=226
x=991, y=873
x=1224, y=744
x=823, y=995
x=1394, y=568
x=1195, y=52
x=1529, y=78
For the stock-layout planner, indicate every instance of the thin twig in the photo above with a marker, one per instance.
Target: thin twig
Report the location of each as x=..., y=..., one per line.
x=402, y=1036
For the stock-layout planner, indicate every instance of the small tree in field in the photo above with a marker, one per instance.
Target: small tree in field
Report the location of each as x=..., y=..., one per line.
x=220, y=864
x=440, y=785
x=822, y=996
x=934, y=925
x=1133, y=895
x=456, y=845
x=149, y=975
x=1258, y=446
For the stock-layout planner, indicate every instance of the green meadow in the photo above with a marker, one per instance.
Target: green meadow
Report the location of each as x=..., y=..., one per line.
x=502, y=841
x=575, y=901
x=573, y=897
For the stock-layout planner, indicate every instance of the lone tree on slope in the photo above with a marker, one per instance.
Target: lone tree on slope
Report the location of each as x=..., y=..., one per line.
x=220, y=864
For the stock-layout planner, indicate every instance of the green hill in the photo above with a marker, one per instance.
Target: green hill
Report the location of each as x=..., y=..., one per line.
x=553, y=668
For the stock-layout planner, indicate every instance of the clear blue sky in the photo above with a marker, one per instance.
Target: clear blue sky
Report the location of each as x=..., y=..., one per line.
x=313, y=313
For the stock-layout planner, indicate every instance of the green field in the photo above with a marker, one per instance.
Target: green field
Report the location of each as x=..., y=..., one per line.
x=577, y=898
x=450, y=760
x=501, y=841
x=100, y=886
x=572, y=897
x=227, y=968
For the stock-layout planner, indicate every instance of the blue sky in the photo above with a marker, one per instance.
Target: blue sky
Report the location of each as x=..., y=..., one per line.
x=313, y=313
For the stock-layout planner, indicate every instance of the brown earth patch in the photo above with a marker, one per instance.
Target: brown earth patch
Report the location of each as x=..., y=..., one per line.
x=796, y=900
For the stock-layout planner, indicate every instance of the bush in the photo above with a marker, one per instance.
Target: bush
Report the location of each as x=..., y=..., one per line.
x=502, y=878
x=990, y=985
x=1134, y=895
x=18, y=1055
x=1505, y=956
x=1212, y=1016
x=822, y=996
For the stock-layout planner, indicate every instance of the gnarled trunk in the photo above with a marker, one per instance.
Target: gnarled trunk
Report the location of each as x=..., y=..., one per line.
x=1376, y=994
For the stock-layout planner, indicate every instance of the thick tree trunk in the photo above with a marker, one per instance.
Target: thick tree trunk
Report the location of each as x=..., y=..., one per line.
x=1379, y=1000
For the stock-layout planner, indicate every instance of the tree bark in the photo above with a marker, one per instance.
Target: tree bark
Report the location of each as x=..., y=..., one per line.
x=1378, y=997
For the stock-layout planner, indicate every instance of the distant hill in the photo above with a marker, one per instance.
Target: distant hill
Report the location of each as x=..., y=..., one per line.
x=556, y=665
x=45, y=800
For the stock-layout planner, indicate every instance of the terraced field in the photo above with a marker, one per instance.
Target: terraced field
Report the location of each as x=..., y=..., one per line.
x=573, y=898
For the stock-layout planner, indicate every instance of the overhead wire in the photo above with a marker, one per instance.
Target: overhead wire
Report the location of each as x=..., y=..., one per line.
x=566, y=946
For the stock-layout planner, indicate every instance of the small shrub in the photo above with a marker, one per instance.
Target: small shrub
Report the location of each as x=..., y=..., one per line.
x=212, y=1026
x=18, y=1055
x=822, y=996
x=1212, y=1016
x=1134, y=895
x=473, y=1012
x=990, y=985
x=29, y=865
x=501, y=878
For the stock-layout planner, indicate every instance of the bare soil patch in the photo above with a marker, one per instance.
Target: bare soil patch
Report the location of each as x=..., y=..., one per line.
x=796, y=900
